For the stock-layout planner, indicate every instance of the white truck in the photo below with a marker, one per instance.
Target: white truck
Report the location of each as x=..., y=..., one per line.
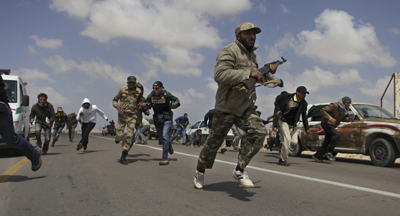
x=19, y=104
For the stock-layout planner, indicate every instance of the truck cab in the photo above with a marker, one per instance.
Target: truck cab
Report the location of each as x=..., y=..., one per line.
x=19, y=104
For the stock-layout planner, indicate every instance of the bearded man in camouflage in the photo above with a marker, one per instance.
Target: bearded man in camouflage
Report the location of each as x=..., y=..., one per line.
x=235, y=104
x=129, y=97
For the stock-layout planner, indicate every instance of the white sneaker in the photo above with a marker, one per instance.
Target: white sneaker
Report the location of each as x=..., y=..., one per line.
x=198, y=180
x=243, y=178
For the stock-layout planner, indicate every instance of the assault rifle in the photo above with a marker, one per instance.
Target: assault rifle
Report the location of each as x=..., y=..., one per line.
x=267, y=77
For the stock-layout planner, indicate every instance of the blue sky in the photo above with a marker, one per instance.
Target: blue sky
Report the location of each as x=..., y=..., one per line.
x=86, y=48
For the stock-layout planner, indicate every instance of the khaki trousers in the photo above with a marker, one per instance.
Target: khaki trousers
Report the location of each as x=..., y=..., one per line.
x=288, y=137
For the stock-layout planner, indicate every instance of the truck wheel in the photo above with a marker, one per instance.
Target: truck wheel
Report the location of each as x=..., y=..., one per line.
x=295, y=151
x=382, y=153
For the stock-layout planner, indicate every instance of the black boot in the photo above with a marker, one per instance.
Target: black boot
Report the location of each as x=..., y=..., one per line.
x=123, y=159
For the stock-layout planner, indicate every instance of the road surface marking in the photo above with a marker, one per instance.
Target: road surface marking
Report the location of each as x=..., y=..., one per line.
x=12, y=170
x=354, y=187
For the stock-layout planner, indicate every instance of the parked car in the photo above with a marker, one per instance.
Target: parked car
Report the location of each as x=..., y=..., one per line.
x=374, y=132
x=204, y=131
x=108, y=130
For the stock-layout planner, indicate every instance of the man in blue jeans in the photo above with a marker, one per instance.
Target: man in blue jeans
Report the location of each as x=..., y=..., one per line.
x=162, y=102
x=182, y=122
x=45, y=116
x=10, y=137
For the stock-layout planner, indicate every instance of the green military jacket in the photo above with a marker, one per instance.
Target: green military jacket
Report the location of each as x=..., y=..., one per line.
x=61, y=120
x=161, y=102
x=234, y=64
x=128, y=100
x=71, y=121
x=332, y=111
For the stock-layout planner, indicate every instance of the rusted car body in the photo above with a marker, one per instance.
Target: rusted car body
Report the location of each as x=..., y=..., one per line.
x=374, y=132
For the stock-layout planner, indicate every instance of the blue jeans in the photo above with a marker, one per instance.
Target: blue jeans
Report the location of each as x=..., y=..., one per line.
x=163, y=129
x=135, y=134
x=57, y=132
x=47, y=134
x=332, y=137
x=12, y=139
x=179, y=130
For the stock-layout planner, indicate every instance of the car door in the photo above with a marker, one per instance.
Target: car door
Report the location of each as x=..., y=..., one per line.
x=314, y=139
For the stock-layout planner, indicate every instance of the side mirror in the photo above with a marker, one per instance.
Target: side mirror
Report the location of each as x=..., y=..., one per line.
x=25, y=100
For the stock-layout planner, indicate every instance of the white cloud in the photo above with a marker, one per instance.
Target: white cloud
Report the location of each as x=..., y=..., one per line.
x=74, y=8
x=211, y=84
x=31, y=49
x=284, y=9
x=316, y=78
x=47, y=43
x=195, y=94
x=54, y=97
x=33, y=74
x=261, y=7
x=395, y=31
x=94, y=69
x=377, y=88
x=266, y=102
x=189, y=98
x=189, y=61
x=338, y=40
x=174, y=27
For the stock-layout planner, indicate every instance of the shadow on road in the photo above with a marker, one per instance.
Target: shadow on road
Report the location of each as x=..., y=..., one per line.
x=91, y=151
x=18, y=178
x=143, y=159
x=57, y=153
x=233, y=189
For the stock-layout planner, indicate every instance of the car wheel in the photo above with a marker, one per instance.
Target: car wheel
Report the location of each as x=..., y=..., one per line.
x=382, y=153
x=295, y=151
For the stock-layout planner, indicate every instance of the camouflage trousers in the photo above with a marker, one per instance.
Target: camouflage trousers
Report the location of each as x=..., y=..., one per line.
x=252, y=141
x=128, y=120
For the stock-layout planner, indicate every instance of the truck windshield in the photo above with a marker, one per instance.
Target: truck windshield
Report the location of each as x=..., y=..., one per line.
x=11, y=89
x=372, y=112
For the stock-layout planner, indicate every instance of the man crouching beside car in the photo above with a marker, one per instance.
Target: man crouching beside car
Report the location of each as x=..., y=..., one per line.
x=332, y=115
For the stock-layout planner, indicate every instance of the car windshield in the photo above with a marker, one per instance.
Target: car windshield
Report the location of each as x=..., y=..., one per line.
x=11, y=89
x=196, y=125
x=368, y=111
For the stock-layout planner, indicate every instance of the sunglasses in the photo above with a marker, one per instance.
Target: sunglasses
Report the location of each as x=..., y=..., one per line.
x=155, y=88
x=42, y=99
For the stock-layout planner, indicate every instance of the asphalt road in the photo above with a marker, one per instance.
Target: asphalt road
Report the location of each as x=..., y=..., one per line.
x=91, y=182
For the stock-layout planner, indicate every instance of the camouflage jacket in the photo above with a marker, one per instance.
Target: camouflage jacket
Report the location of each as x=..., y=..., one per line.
x=234, y=64
x=332, y=111
x=71, y=121
x=128, y=100
x=61, y=120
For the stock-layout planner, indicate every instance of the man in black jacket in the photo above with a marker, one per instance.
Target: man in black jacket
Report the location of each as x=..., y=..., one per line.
x=288, y=108
x=42, y=110
x=9, y=136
